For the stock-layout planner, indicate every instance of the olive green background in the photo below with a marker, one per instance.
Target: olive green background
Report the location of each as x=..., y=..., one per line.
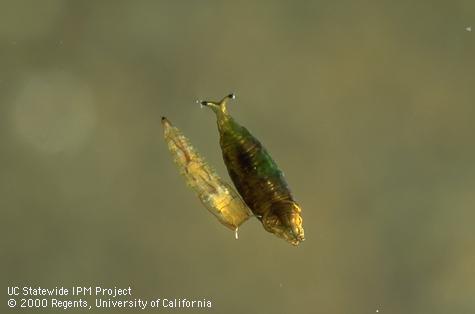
x=368, y=107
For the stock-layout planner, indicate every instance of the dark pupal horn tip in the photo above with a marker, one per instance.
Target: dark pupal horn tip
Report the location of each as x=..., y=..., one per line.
x=202, y=103
x=165, y=121
x=232, y=96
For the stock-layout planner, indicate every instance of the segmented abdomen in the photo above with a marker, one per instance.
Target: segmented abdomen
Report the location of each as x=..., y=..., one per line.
x=254, y=173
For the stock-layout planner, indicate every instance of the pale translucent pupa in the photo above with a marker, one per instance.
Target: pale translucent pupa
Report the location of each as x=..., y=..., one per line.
x=215, y=194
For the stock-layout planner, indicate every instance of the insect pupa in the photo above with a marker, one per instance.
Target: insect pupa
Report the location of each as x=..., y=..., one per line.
x=214, y=193
x=256, y=176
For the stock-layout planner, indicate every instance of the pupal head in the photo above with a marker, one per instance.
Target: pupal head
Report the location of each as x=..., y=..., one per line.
x=219, y=107
x=284, y=220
